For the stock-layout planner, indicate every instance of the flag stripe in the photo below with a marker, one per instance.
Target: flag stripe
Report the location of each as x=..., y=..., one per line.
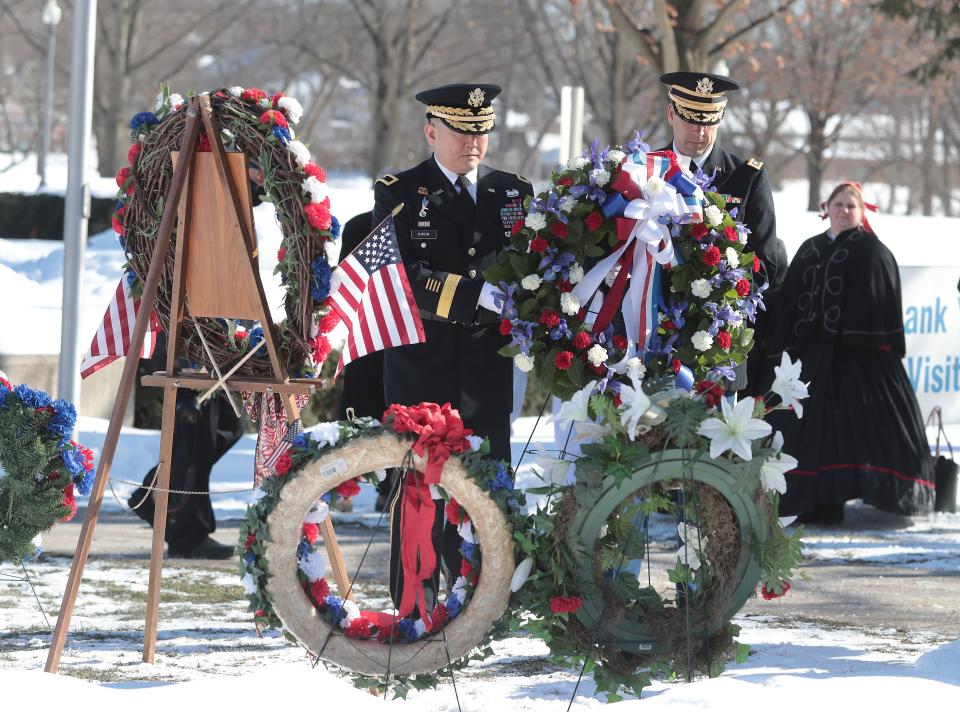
x=115, y=332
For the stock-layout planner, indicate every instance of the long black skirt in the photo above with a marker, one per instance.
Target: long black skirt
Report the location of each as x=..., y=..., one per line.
x=861, y=435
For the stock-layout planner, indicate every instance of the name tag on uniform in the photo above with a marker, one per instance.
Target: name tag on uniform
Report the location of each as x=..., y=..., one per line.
x=423, y=234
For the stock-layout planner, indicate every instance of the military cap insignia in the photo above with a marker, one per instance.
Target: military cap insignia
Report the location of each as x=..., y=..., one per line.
x=475, y=98
x=388, y=179
x=705, y=86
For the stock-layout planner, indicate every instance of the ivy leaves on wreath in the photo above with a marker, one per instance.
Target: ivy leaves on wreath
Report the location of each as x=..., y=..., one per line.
x=41, y=468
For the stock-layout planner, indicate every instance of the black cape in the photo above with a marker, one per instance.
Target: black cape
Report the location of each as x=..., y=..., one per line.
x=861, y=435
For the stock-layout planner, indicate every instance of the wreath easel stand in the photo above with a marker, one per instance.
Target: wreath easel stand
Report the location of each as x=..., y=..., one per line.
x=215, y=237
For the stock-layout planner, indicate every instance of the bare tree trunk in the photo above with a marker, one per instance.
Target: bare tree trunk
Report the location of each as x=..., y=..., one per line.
x=815, y=158
x=928, y=163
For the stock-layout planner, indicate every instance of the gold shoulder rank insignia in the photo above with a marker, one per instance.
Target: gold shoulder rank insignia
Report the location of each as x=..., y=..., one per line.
x=755, y=164
x=388, y=179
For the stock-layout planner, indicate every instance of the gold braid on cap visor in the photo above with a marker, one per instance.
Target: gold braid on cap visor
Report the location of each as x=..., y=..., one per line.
x=698, y=117
x=465, y=120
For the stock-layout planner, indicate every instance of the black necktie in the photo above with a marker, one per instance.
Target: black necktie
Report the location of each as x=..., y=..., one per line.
x=465, y=197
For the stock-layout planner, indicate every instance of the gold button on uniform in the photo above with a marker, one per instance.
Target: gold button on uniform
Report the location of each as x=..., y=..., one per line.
x=472, y=273
x=472, y=251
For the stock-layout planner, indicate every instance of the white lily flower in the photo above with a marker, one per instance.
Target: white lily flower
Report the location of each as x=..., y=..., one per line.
x=773, y=470
x=577, y=409
x=689, y=552
x=634, y=404
x=735, y=431
x=521, y=574
x=553, y=469
x=787, y=383
x=787, y=521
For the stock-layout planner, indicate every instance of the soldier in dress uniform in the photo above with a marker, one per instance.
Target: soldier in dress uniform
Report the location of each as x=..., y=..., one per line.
x=697, y=103
x=456, y=219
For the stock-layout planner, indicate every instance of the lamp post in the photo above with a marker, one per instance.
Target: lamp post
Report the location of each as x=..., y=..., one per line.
x=51, y=18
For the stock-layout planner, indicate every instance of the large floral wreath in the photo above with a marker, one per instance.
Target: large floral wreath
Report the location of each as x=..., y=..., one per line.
x=419, y=425
x=642, y=370
x=616, y=216
x=40, y=468
x=261, y=127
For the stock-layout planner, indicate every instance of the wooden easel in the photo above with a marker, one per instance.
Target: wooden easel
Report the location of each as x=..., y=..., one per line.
x=215, y=237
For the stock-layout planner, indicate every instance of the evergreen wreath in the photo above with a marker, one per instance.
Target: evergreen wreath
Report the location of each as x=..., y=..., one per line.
x=41, y=468
x=261, y=127
x=493, y=478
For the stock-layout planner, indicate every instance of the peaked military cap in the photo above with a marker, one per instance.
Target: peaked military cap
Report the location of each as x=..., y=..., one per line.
x=465, y=108
x=699, y=97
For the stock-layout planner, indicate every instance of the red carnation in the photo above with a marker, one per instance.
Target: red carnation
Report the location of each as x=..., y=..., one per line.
x=466, y=568
x=275, y=99
x=259, y=613
x=239, y=335
x=743, y=287
x=281, y=254
x=5, y=383
x=253, y=94
x=517, y=227
x=756, y=263
x=455, y=513
x=711, y=256
x=359, y=628
x=668, y=325
x=123, y=175
x=319, y=590
x=617, y=400
x=566, y=181
x=318, y=215
x=565, y=604
x=723, y=338
x=538, y=244
x=620, y=342
x=676, y=365
x=594, y=220
x=438, y=617
x=559, y=230
x=698, y=231
x=284, y=464
x=505, y=327
x=249, y=541
x=711, y=390
x=581, y=340
x=87, y=454
x=312, y=532
x=133, y=152
x=117, y=224
x=350, y=488
x=549, y=318
x=203, y=144
x=731, y=232
x=769, y=595
x=69, y=500
x=328, y=321
x=564, y=285
x=599, y=370
x=272, y=117
x=321, y=348
x=563, y=360
x=312, y=169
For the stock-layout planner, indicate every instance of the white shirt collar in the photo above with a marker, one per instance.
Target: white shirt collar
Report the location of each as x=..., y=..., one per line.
x=452, y=177
x=698, y=160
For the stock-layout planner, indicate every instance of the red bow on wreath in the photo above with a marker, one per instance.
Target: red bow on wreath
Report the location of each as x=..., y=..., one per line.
x=440, y=432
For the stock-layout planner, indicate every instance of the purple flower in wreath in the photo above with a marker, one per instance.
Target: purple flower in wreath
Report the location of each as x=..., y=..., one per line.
x=504, y=300
x=303, y=549
x=408, y=630
x=676, y=312
x=718, y=372
x=749, y=304
x=637, y=143
x=453, y=606
x=726, y=273
x=302, y=441
x=319, y=278
x=553, y=264
x=561, y=331
x=501, y=479
x=592, y=193
x=143, y=119
x=551, y=205
x=522, y=334
x=467, y=550
x=659, y=347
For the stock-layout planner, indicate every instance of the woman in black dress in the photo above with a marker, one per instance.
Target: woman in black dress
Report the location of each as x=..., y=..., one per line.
x=861, y=435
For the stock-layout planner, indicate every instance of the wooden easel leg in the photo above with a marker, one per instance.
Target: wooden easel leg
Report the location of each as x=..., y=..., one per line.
x=160, y=499
x=336, y=559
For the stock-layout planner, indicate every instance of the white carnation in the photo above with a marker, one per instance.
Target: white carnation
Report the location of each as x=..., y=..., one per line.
x=331, y=249
x=577, y=162
x=420, y=627
x=531, y=282
x=576, y=273
x=235, y=91
x=248, y=583
x=326, y=434
x=318, y=512
x=316, y=189
x=597, y=354
x=569, y=304
x=733, y=257
x=535, y=221
x=523, y=362
x=635, y=368
x=616, y=156
x=313, y=566
x=352, y=612
x=301, y=154
x=460, y=588
x=475, y=442
x=291, y=107
x=654, y=186
x=713, y=215
x=265, y=103
x=600, y=177
x=175, y=101
x=567, y=202
x=256, y=496
x=700, y=288
x=702, y=341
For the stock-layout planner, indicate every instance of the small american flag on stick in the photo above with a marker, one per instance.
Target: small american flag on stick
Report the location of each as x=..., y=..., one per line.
x=373, y=297
x=293, y=430
x=112, y=339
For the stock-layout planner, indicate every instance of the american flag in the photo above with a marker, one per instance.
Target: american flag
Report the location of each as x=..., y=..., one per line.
x=373, y=297
x=293, y=430
x=113, y=336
